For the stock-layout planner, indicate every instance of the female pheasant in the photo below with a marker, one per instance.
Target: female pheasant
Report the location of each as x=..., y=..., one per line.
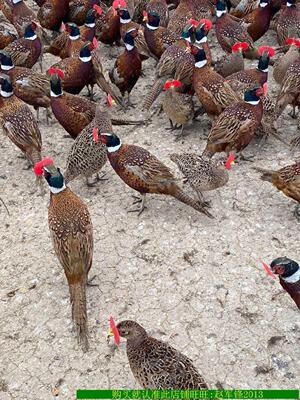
x=18, y=122
x=155, y=364
x=71, y=231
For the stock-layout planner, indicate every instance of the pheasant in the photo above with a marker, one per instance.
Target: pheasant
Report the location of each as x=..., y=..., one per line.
x=288, y=24
x=287, y=180
x=236, y=125
x=88, y=155
x=155, y=364
x=52, y=12
x=232, y=63
x=213, y=91
x=128, y=66
x=75, y=112
x=22, y=15
x=158, y=38
x=8, y=32
x=282, y=63
x=144, y=173
x=18, y=122
x=26, y=51
x=229, y=30
x=289, y=276
x=259, y=20
x=159, y=7
x=202, y=174
x=28, y=85
x=290, y=88
x=178, y=106
x=126, y=24
x=176, y=62
x=71, y=232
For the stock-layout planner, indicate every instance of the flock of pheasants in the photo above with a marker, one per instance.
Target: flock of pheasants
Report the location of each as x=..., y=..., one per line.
x=235, y=99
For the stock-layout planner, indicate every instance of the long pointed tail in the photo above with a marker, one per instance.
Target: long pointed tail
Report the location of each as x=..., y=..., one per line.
x=180, y=195
x=266, y=174
x=152, y=96
x=79, y=313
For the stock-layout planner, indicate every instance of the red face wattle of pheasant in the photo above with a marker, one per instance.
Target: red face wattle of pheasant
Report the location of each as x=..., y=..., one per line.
x=292, y=41
x=39, y=166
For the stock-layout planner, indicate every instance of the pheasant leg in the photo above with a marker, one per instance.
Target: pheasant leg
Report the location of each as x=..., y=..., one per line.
x=297, y=212
x=140, y=200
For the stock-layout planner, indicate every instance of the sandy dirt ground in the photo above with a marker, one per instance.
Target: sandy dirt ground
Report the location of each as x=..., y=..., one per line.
x=194, y=282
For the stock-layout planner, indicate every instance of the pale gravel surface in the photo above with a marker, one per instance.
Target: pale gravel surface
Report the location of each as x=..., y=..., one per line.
x=194, y=282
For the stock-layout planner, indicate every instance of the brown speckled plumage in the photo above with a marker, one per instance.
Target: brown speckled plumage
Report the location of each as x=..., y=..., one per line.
x=234, y=128
x=282, y=64
x=8, y=32
x=288, y=24
x=176, y=62
x=290, y=89
x=159, y=7
x=230, y=31
x=159, y=39
x=286, y=179
x=19, y=124
x=202, y=174
x=156, y=364
x=51, y=13
x=71, y=231
x=144, y=173
x=214, y=93
x=179, y=107
x=29, y=86
x=87, y=156
x=22, y=15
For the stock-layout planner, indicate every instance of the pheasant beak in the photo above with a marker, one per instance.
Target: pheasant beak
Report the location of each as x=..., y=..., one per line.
x=109, y=334
x=145, y=16
x=51, y=169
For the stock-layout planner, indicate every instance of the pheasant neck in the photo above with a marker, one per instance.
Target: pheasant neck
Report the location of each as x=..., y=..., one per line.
x=113, y=149
x=125, y=21
x=200, y=64
x=152, y=28
x=293, y=278
x=55, y=190
x=5, y=94
x=91, y=25
x=253, y=102
x=6, y=67
x=76, y=37
x=219, y=13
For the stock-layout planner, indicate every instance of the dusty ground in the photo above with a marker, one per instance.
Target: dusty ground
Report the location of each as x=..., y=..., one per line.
x=194, y=282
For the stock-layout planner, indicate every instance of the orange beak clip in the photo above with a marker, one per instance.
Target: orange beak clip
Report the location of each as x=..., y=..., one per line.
x=113, y=331
x=268, y=270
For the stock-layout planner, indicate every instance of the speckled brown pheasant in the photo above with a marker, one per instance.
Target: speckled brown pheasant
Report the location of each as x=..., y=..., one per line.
x=71, y=231
x=203, y=174
x=156, y=364
x=290, y=89
x=26, y=51
x=159, y=7
x=214, y=93
x=8, y=32
x=282, y=64
x=88, y=154
x=158, y=38
x=18, y=122
x=287, y=180
x=179, y=107
x=229, y=30
x=52, y=12
x=22, y=15
x=144, y=173
x=236, y=126
x=28, y=85
x=232, y=63
x=176, y=62
x=288, y=24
